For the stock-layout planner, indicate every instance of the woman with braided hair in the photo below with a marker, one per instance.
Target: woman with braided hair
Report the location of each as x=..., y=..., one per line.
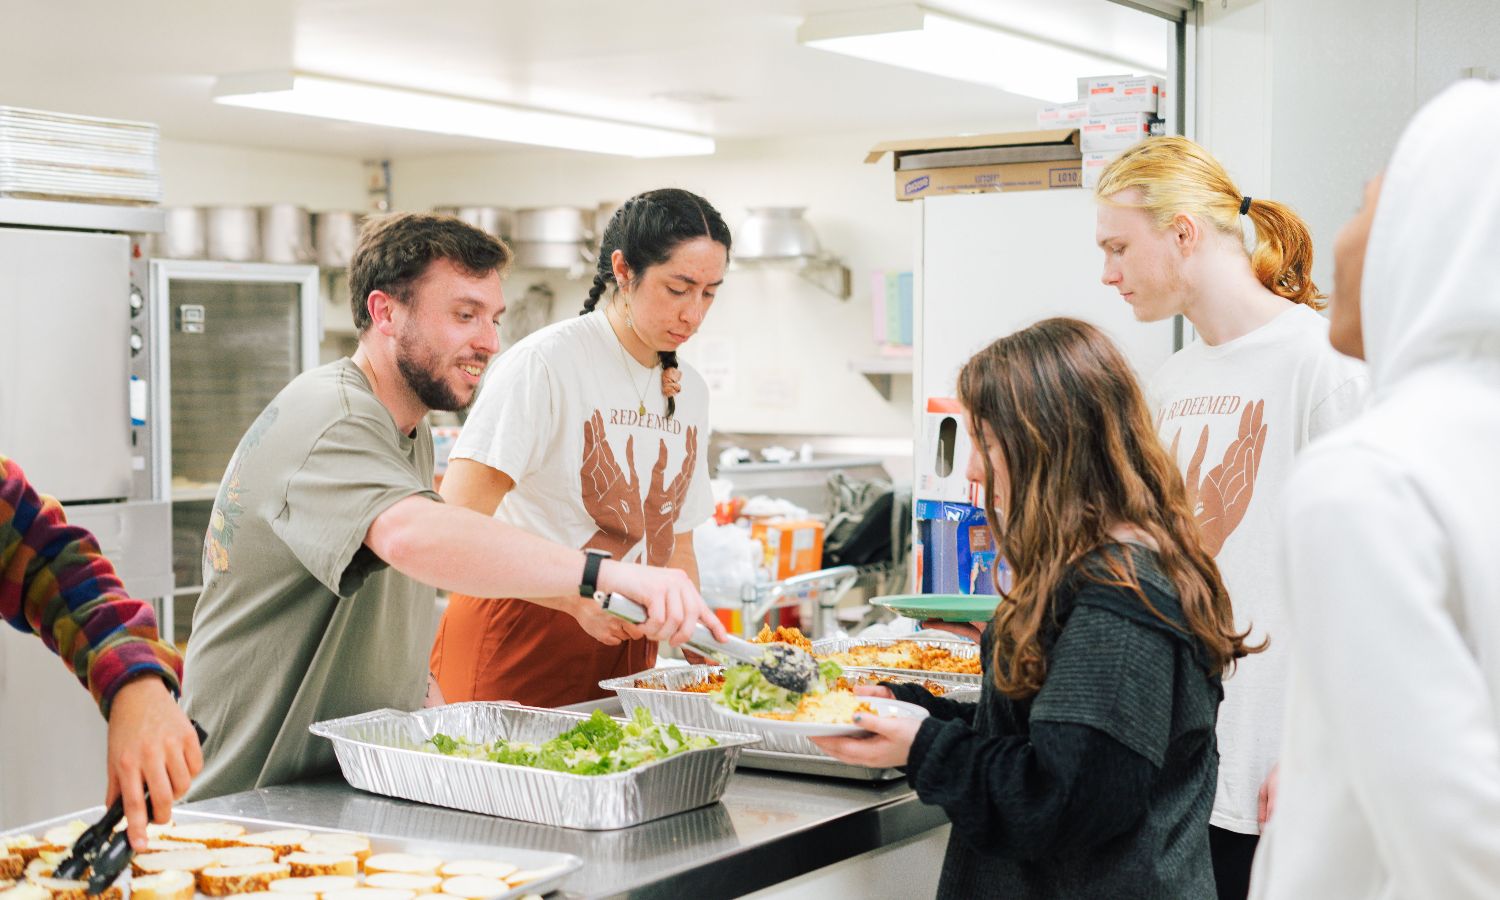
x=594, y=436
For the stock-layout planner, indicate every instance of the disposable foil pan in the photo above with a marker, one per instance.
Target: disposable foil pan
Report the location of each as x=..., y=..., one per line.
x=958, y=648
x=668, y=704
x=557, y=866
x=378, y=752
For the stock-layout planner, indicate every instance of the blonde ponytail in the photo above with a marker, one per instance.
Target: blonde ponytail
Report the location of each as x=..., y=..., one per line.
x=1283, y=254
x=1175, y=175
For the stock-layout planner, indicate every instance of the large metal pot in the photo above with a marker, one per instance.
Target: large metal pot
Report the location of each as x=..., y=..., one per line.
x=335, y=235
x=185, y=235
x=552, y=255
x=233, y=233
x=493, y=220
x=775, y=232
x=286, y=234
x=555, y=225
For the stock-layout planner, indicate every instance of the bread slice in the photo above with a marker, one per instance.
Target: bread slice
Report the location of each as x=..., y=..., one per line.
x=221, y=881
x=178, y=860
x=210, y=834
x=23, y=845
x=67, y=889
x=404, y=881
x=12, y=866
x=339, y=843
x=276, y=895
x=282, y=841
x=242, y=856
x=64, y=835
x=174, y=884
x=489, y=868
x=408, y=863
x=516, y=879
x=25, y=891
x=162, y=845
x=305, y=865
x=365, y=893
x=474, y=887
x=315, y=884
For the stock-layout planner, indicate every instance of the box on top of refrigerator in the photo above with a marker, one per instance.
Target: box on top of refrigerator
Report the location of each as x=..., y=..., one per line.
x=1108, y=94
x=1062, y=115
x=1101, y=134
x=1094, y=165
x=982, y=163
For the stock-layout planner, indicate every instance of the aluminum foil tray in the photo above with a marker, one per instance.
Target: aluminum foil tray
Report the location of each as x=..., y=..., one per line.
x=378, y=752
x=959, y=648
x=669, y=705
x=558, y=865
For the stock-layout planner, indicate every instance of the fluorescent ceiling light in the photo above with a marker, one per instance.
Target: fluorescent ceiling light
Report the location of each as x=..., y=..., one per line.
x=915, y=37
x=351, y=101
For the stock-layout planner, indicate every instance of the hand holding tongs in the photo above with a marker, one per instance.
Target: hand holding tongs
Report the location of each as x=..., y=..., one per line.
x=783, y=665
x=102, y=850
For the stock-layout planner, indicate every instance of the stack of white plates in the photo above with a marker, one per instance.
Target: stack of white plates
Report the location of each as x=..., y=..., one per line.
x=61, y=156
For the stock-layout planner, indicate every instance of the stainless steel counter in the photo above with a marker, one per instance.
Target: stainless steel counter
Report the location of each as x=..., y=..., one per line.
x=768, y=828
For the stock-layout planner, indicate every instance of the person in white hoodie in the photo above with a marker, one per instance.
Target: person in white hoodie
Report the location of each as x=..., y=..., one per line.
x=1390, y=770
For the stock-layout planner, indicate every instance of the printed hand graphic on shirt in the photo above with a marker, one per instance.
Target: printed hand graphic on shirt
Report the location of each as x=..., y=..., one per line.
x=611, y=499
x=1220, y=501
x=664, y=502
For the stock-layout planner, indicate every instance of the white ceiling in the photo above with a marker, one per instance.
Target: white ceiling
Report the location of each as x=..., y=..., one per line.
x=156, y=60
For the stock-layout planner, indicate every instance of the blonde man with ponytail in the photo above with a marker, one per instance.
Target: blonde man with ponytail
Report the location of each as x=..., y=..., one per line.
x=1234, y=407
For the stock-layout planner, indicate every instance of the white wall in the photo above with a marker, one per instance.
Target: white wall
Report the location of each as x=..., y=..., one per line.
x=198, y=174
x=791, y=342
x=1303, y=100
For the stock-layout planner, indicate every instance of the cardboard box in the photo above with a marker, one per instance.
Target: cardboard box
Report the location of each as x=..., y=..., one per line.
x=954, y=549
x=1062, y=115
x=1102, y=134
x=943, y=455
x=1109, y=94
x=792, y=546
x=1094, y=165
x=1025, y=175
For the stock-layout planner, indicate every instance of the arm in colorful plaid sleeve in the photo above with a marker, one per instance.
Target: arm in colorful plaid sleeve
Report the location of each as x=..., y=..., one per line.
x=56, y=584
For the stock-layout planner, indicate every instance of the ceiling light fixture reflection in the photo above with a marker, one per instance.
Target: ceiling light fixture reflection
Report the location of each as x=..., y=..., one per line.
x=914, y=37
x=390, y=107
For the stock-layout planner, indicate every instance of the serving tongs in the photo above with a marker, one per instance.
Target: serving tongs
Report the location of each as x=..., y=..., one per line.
x=102, y=851
x=783, y=665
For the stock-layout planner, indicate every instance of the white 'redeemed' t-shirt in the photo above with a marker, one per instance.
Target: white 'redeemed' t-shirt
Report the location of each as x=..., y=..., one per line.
x=1234, y=416
x=560, y=414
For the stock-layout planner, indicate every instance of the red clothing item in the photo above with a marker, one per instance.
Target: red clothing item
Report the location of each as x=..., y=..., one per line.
x=55, y=584
x=515, y=650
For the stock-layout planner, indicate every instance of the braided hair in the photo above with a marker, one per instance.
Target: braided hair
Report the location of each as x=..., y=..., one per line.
x=646, y=230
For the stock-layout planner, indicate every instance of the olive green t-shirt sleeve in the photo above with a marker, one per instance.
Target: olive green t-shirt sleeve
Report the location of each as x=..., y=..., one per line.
x=355, y=471
x=1113, y=674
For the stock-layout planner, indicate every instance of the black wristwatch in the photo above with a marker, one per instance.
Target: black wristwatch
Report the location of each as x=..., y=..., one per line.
x=591, y=560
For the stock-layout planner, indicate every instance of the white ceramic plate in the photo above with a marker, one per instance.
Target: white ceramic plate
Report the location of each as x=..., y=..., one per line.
x=883, y=706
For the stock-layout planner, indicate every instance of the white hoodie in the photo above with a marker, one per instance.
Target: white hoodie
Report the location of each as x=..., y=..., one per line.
x=1390, y=770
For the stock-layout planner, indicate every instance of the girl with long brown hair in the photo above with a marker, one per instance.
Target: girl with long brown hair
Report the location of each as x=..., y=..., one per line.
x=1088, y=766
x=1235, y=406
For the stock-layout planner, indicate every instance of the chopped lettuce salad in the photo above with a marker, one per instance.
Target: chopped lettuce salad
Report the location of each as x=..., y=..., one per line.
x=596, y=746
x=746, y=690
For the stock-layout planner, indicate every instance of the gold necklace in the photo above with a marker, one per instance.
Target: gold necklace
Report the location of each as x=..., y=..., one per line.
x=625, y=361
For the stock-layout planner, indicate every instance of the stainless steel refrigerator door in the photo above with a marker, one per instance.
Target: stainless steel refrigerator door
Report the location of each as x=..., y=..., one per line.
x=65, y=370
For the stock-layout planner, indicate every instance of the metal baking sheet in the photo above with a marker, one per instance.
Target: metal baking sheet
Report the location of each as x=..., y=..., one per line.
x=820, y=766
x=670, y=705
x=958, y=648
x=561, y=865
x=378, y=752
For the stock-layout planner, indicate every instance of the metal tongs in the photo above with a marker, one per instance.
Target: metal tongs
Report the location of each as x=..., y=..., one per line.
x=783, y=665
x=101, y=850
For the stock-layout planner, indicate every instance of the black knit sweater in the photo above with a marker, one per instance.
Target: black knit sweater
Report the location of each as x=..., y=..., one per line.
x=1098, y=786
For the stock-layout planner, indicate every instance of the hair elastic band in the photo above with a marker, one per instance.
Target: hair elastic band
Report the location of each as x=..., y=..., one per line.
x=1244, y=205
